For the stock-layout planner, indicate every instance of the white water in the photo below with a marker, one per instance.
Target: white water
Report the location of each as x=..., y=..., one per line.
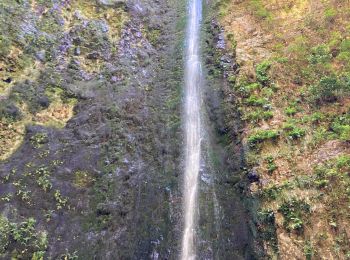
x=192, y=129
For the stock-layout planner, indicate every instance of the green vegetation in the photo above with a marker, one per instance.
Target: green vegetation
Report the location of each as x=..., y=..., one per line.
x=262, y=72
x=329, y=89
x=302, y=80
x=271, y=166
x=83, y=179
x=256, y=101
x=320, y=54
x=39, y=139
x=334, y=173
x=268, y=229
x=293, y=211
x=330, y=14
x=61, y=201
x=259, y=9
x=262, y=135
x=153, y=36
x=309, y=250
x=292, y=131
x=24, y=237
x=258, y=115
x=291, y=111
x=42, y=175
x=341, y=126
x=9, y=112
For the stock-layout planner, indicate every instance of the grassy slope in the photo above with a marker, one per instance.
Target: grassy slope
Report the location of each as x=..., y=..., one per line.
x=293, y=89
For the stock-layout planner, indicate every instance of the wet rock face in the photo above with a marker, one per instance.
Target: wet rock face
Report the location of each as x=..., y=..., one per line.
x=95, y=182
x=238, y=228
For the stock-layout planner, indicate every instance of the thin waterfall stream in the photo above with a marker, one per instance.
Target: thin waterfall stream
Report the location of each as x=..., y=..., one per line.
x=192, y=120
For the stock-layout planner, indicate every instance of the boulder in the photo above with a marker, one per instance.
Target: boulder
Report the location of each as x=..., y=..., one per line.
x=253, y=176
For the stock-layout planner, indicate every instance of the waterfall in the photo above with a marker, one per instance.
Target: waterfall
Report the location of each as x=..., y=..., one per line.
x=192, y=129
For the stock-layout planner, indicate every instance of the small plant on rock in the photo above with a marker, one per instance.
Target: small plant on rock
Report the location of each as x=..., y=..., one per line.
x=262, y=72
x=261, y=136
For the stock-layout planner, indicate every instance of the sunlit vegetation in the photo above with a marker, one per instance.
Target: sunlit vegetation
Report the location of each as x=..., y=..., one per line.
x=294, y=96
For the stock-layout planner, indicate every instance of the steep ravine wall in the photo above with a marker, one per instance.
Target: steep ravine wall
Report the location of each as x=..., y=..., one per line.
x=104, y=184
x=229, y=213
x=98, y=174
x=291, y=89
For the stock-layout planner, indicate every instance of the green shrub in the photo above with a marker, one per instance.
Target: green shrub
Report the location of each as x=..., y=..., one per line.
x=345, y=133
x=253, y=100
x=42, y=175
x=272, y=192
x=328, y=89
x=271, y=166
x=261, y=136
x=343, y=161
x=4, y=234
x=267, y=228
x=317, y=117
x=258, y=115
x=320, y=54
x=262, y=72
x=330, y=14
x=345, y=45
x=292, y=131
x=246, y=90
x=153, y=36
x=341, y=126
x=60, y=200
x=28, y=242
x=290, y=111
x=344, y=54
x=292, y=211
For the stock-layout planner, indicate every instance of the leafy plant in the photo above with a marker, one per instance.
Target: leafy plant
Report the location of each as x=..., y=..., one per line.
x=292, y=211
x=69, y=256
x=271, y=166
x=341, y=126
x=39, y=139
x=257, y=115
x=245, y=90
x=308, y=250
x=43, y=178
x=290, y=111
x=261, y=136
x=320, y=54
x=29, y=242
x=256, y=101
x=272, y=192
x=317, y=117
x=60, y=200
x=292, y=131
x=262, y=72
x=328, y=89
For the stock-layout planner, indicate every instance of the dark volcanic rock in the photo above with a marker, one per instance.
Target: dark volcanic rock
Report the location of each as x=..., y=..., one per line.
x=102, y=186
x=253, y=176
x=44, y=101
